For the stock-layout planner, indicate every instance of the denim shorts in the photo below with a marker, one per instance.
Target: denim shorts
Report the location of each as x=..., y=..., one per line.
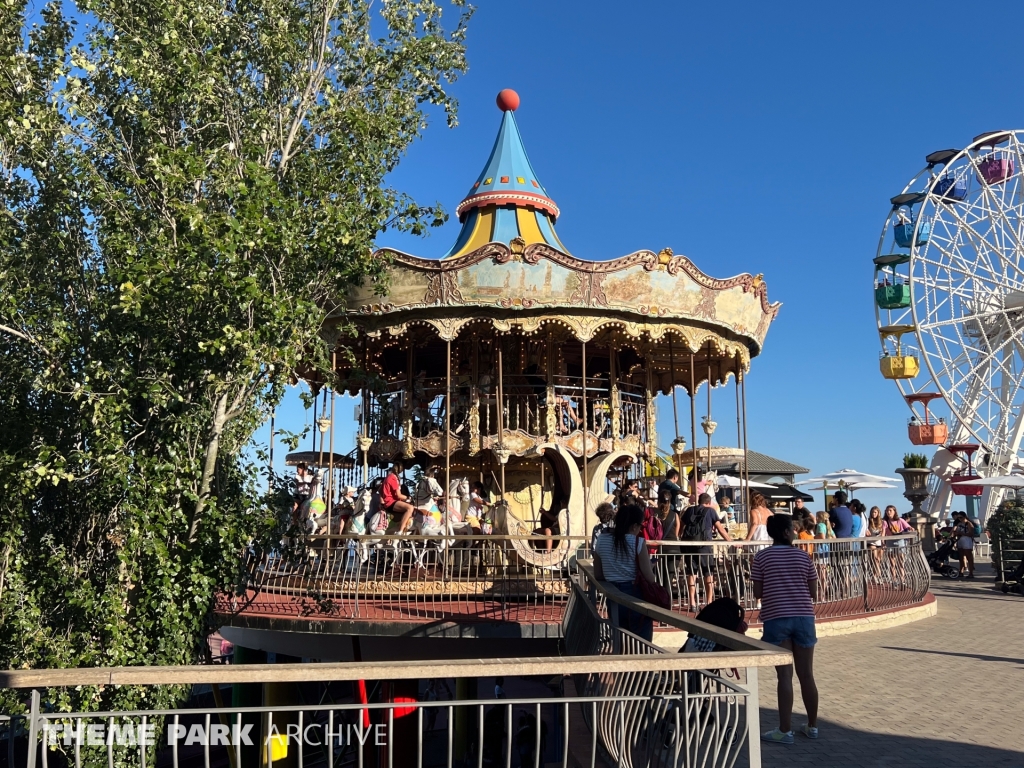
x=799, y=629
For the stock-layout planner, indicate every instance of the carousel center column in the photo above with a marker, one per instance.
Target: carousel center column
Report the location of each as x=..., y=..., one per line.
x=613, y=394
x=552, y=416
x=651, y=449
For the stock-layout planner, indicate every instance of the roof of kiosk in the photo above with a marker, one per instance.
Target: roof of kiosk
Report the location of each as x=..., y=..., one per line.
x=508, y=266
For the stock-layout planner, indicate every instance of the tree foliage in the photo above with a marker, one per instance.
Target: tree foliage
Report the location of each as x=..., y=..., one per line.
x=188, y=187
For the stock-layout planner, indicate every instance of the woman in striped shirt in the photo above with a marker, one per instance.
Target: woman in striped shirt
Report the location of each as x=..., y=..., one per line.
x=618, y=555
x=786, y=583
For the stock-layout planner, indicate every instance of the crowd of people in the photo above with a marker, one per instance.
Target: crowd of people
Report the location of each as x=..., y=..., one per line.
x=675, y=534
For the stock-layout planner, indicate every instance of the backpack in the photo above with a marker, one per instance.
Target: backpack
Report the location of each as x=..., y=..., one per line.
x=977, y=529
x=651, y=529
x=693, y=524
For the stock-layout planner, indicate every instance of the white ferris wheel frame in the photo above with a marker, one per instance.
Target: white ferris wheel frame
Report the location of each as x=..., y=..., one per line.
x=974, y=354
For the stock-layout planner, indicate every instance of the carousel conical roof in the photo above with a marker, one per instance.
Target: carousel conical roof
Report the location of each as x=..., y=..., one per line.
x=507, y=200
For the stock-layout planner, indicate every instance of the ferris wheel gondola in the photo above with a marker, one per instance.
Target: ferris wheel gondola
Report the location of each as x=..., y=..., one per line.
x=949, y=277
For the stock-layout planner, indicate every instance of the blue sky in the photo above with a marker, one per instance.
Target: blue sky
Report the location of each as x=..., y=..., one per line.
x=751, y=137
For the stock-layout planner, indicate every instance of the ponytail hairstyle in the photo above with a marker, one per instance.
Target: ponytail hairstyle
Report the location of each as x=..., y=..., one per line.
x=627, y=516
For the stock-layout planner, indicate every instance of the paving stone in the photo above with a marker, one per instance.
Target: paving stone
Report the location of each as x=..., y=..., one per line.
x=946, y=691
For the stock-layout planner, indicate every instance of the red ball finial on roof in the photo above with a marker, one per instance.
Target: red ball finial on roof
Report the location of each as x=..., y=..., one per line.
x=508, y=100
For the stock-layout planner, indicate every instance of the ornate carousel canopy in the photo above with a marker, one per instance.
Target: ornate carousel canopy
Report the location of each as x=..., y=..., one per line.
x=509, y=274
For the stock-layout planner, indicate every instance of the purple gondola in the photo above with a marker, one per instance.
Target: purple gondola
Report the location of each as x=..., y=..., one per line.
x=995, y=168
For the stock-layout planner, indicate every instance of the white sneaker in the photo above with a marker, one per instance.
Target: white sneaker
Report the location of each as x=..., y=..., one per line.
x=777, y=737
x=809, y=732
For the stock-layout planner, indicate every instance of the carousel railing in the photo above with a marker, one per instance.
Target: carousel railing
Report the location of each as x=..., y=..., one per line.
x=524, y=406
x=855, y=576
x=489, y=578
x=385, y=411
x=411, y=578
x=632, y=411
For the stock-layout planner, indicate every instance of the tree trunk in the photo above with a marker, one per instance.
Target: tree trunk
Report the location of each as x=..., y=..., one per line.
x=209, y=464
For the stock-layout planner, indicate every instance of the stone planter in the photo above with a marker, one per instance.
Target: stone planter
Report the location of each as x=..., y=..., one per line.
x=915, y=483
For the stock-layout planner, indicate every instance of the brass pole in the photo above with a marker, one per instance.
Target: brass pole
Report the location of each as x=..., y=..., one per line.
x=448, y=432
x=586, y=479
x=614, y=399
x=363, y=420
x=315, y=397
x=330, y=460
x=408, y=396
x=323, y=437
x=672, y=368
x=501, y=410
x=709, y=405
x=739, y=438
x=746, y=466
x=693, y=423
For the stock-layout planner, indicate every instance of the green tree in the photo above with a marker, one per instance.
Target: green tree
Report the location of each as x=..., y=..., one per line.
x=188, y=187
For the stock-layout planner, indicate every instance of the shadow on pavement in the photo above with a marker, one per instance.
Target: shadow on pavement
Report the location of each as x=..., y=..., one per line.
x=979, y=656
x=852, y=747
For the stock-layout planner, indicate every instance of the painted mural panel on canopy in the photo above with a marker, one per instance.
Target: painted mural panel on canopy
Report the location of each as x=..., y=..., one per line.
x=677, y=294
x=405, y=286
x=738, y=309
x=545, y=283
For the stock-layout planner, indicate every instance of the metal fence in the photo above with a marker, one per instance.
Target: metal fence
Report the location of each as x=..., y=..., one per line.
x=415, y=578
x=513, y=578
x=855, y=576
x=642, y=707
x=684, y=718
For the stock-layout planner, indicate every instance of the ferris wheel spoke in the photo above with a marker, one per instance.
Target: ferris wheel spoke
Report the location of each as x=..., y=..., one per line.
x=1015, y=430
x=1004, y=313
x=989, y=238
x=978, y=239
x=997, y=202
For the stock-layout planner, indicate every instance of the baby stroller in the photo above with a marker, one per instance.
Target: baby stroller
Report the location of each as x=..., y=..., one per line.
x=939, y=560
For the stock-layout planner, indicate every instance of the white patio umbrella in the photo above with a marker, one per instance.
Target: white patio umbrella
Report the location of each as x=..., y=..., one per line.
x=728, y=481
x=848, y=477
x=852, y=487
x=845, y=478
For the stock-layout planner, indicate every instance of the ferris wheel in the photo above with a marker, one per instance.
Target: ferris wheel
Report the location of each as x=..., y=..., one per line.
x=949, y=297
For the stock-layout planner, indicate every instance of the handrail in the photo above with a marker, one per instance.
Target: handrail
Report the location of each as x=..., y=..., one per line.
x=759, y=655
x=762, y=543
x=724, y=637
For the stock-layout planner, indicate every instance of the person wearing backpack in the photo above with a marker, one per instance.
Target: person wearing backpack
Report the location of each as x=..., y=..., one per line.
x=651, y=529
x=699, y=524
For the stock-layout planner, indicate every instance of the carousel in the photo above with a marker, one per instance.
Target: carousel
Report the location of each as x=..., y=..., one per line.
x=514, y=363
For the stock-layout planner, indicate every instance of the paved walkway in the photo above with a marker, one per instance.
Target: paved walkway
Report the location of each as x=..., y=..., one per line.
x=944, y=691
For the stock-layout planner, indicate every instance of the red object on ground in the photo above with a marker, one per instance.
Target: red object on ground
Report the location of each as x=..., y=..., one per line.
x=508, y=100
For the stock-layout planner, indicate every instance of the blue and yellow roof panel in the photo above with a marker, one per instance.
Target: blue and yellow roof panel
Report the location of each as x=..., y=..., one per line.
x=507, y=200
